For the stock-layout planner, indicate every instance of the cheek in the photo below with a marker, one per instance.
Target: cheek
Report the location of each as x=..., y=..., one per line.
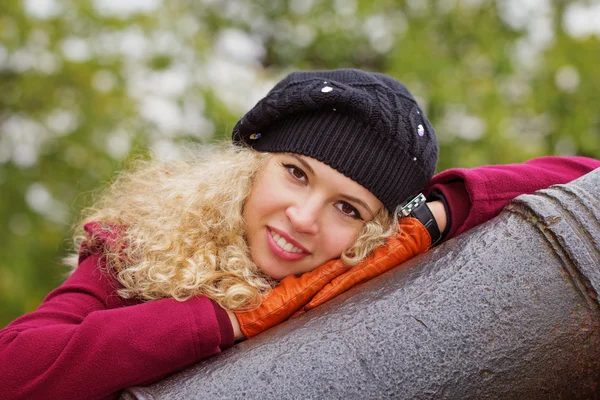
x=339, y=239
x=265, y=192
x=262, y=203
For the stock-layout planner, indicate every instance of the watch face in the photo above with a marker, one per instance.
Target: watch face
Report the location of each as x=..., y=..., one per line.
x=412, y=204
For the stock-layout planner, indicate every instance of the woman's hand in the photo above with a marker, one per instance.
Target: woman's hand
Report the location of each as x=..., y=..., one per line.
x=237, y=332
x=289, y=296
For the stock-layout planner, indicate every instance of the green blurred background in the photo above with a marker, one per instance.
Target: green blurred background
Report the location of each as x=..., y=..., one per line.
x=87, y=85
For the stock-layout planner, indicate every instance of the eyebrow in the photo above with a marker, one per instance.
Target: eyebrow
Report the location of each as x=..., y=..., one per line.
x=345, y=196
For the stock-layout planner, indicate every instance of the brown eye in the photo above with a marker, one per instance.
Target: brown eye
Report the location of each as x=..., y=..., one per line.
x=296, y=172
x=348, y=210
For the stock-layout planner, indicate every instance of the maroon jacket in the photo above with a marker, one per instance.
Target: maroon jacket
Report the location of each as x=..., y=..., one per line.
x=477, y=195
x=86, y=342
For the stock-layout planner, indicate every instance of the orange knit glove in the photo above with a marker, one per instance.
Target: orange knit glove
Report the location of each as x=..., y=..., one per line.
x=294, y=295
x=287, y=297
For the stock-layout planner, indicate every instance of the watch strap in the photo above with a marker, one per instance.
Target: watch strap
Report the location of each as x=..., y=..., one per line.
x=437, y=195
x=418, y=208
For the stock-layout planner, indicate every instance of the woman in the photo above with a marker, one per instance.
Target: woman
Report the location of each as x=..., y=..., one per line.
x=173, y=255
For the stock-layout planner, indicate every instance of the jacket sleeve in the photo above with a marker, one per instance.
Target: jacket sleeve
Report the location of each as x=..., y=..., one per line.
x=85, y=342
x=476, y=195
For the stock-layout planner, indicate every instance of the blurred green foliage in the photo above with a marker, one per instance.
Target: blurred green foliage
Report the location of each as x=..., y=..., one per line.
x=87, y=85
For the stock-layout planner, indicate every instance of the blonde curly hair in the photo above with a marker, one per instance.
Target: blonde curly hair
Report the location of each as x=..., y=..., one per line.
x=183, y=230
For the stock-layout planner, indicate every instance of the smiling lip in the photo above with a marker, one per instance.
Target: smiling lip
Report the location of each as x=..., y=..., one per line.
x=281, y=253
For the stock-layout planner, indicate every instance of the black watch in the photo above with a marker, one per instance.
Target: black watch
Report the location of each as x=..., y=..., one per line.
x=418, y=208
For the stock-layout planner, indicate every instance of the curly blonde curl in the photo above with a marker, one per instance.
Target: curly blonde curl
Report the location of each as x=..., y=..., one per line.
x=372, y=235
x=184, y=232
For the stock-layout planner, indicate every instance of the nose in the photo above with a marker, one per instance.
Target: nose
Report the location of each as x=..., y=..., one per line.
x=304, y=216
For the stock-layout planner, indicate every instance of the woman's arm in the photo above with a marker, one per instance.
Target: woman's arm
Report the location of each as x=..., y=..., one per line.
x=438, y=209
x=235, y=324
x=85, y=342
x=476, y=195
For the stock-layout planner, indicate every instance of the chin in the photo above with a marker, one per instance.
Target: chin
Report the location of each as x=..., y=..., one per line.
x=268, y=268
x=274, y=273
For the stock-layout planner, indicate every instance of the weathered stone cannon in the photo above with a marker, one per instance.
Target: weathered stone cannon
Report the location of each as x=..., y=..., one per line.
x=508, y=310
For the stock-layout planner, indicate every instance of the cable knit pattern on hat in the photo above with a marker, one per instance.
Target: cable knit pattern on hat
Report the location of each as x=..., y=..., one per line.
x=366, y=125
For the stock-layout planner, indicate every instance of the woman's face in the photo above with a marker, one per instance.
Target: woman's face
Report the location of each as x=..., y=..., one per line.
x=302, y=213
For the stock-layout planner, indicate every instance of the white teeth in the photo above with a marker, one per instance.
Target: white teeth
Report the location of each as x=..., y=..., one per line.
x=281, y=242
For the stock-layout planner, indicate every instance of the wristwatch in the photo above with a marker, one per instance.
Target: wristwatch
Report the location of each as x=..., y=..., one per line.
x=417, y=208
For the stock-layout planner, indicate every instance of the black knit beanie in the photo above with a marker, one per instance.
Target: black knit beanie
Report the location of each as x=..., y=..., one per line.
x=365, y=125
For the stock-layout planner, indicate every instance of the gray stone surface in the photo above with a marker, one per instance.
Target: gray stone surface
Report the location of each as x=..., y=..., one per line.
x=508, y=310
